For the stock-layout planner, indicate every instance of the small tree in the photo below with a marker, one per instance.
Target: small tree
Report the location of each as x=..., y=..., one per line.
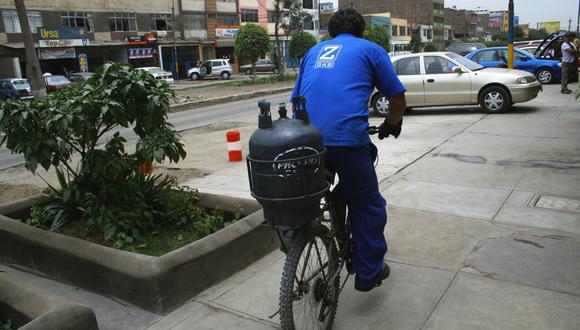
x=300, y=44
x=379, y=35
x=415, y=44
x=430, y=48
x=537, y=34
x=76, y=130
x=252, y=43
x=326, y=37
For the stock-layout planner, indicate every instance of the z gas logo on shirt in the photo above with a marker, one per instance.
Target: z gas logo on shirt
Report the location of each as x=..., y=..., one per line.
x=327, y=57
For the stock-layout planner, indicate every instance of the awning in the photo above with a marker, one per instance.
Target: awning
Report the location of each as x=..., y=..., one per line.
x=224, y=43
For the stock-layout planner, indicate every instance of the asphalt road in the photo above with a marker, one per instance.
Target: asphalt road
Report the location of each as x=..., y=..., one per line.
x=181, y=120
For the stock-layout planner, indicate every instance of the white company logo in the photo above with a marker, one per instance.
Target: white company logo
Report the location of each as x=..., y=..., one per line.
x=327, y=57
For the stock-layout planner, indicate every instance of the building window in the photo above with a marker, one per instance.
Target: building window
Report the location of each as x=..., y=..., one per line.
x=79, y=19
x=402, y=30
x=308, y=4
x=194, y=21
x=161, y=22
x=425, y=33
x=12, y=23
x=272, y=17
x=308, y=24
x=123, y=22
x=438, y=19
x=394, y=31
x=249, y=15
x=227, y=0
x=223, y=19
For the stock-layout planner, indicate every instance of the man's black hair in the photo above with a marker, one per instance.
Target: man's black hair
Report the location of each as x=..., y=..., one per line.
x=346, y=21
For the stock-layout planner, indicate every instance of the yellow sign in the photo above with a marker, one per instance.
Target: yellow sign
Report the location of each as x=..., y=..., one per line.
x=550, y=27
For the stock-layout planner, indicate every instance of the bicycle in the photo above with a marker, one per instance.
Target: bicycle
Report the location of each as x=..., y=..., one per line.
x=316, y=254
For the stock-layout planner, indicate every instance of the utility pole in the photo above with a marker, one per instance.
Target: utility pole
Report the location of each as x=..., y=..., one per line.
x=511, y=35
x=578, y=21
x=174, y=42
x=569, y=24
x=33, y=72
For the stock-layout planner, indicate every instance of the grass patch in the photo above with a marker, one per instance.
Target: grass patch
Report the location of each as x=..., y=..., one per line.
x=250, y=82
x=160, y=241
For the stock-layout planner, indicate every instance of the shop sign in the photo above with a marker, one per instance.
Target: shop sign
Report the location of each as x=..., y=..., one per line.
x=62, y=36
x=226, y=33
x=550, y=27
x=55, y=54
x=148, y=39
x=137, y=53
x=83, y=63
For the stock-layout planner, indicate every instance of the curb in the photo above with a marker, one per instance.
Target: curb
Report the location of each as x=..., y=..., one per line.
x=225, y=99
x=31, y=308
x=156, y=284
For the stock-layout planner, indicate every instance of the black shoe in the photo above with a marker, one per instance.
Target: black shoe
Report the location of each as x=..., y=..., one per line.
x=384, y=275
x=566, y=91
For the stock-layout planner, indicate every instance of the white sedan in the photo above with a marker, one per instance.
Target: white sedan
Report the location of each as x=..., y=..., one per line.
x=444, y=79
x=159, y=73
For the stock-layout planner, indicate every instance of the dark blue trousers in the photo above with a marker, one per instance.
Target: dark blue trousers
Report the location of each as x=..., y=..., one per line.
x=366, y=207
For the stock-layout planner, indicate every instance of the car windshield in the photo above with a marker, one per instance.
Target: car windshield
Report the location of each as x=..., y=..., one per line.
x=473, y=66
x=57, y=80
x=21, y=84
x=462, y=48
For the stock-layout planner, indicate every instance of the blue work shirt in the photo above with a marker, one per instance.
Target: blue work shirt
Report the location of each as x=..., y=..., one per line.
x=337, y=78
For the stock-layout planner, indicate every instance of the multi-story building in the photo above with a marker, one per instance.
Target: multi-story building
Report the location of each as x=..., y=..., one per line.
x=173, y=34
x=262, y=12
x=419, y=12
x=465, y=23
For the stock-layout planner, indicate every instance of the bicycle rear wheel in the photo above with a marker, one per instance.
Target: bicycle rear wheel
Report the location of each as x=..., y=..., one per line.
x=310, y=281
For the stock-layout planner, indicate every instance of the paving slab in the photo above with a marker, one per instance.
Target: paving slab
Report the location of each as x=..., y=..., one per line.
x=545, y=262
x=110, y=314
x=433, y=239
x=551, y=181
x=465, y=170
x=516, y=211
x=204, y=317
x=470, y=202
x=537, y=126
x=477, y=302
x=404, y=301
x=501, y=148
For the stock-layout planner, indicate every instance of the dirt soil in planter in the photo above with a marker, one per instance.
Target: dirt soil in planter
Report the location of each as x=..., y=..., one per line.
x=11, y=192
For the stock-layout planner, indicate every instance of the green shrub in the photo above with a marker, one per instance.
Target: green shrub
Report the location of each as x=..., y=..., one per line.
x=98, y=180
x=6, y=325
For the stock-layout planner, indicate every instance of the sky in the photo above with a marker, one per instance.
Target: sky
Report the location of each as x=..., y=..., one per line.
x=529, y=11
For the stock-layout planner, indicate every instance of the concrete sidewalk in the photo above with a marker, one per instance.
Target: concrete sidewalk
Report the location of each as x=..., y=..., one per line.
x=484, y=229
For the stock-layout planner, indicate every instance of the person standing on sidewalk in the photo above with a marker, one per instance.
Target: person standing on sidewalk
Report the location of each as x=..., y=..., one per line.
x=569, y=53
x=337, y=78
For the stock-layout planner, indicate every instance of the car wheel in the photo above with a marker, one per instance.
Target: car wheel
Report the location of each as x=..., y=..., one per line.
x=194, y=76
x=248, y=71
x=545, y=76
x=225, y=75
x=495, y=99
x=380, y=105
x=276, y=71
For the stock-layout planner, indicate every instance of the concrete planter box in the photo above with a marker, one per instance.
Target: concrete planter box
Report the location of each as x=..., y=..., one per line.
x=30, y=309
x=156, y=284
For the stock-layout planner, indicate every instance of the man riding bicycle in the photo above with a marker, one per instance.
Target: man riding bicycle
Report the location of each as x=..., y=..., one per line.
x=337, y=78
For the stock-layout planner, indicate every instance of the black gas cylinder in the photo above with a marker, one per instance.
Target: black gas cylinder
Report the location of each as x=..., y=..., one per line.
x=286, y=166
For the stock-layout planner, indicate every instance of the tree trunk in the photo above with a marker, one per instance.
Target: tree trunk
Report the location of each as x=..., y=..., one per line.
x=279, y=61
x=254, y=70
x=33, y=71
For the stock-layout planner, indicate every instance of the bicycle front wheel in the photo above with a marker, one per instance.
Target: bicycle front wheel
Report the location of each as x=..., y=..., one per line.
x=310, y=281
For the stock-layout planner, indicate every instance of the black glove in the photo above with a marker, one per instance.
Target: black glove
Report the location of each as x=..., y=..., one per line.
x=385, y=130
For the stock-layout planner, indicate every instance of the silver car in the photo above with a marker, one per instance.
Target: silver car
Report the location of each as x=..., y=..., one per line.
x=159, y=73
x=211, y=68
x=443, y=79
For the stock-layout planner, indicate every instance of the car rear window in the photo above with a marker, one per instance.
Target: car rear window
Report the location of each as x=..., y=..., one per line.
x=57, y=80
